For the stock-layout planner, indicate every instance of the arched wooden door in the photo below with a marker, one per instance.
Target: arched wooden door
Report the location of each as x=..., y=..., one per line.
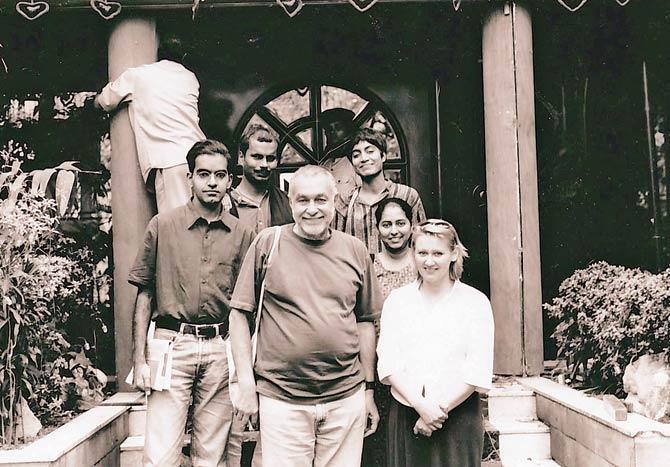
x=296, y=114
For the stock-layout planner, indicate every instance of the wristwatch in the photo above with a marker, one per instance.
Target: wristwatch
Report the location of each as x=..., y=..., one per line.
x=370, y=385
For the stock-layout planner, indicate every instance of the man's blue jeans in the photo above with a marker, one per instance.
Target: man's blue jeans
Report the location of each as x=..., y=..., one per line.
x=200, y=375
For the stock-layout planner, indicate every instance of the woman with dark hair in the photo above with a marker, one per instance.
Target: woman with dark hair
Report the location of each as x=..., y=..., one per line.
x=394, y=267
x=436, y=352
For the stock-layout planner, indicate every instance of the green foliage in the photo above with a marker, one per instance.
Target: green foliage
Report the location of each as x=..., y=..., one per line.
x=41, y=290
x=608, y=316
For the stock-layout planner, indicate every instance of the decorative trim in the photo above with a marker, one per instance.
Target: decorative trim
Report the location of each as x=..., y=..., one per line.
x=363, y=5
x=31, y=9
x=572, y=8
x=290, y=7
x=575, y=7
x=106, y=9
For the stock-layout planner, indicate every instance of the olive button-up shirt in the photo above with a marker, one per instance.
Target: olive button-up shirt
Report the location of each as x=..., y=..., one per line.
x=191, y=264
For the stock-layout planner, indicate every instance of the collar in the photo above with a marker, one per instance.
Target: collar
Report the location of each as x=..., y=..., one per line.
x=242, y=200
x=383, y=194
x=193, y=216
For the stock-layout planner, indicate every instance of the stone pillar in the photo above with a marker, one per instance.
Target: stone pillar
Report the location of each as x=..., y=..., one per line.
x=512, y=194
x=132, y=42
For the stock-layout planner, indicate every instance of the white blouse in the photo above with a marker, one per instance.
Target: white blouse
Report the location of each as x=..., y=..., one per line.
x=431, y=344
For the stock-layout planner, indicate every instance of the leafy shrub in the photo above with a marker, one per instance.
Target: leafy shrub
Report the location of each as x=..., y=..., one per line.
x=40, y=290
x=608, y=316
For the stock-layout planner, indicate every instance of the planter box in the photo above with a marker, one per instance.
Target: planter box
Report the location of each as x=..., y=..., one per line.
x=582, y=432
x=91, y=439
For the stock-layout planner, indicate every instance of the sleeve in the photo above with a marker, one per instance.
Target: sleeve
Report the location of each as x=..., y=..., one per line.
x=245, y=242
x=479, y=354
x=389, y=345
x=118, y=91
x=369, y=297
x=418, y=212
x=248, y=279
x=143, y=271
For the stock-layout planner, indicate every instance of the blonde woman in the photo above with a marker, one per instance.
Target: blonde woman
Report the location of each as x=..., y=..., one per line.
x=436, y=352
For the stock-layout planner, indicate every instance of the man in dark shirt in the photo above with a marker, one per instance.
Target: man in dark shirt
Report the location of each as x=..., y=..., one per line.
x=256, y=200
x=187, y=266
x=316, y=342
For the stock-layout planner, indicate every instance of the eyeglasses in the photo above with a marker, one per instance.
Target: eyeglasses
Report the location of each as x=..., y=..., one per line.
x=435, y=226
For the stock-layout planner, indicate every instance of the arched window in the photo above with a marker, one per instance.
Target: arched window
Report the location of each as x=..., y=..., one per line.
x=299, y=116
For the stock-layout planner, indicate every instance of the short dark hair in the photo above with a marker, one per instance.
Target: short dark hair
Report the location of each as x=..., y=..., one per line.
x=401, y=203
x=374, y=137
x=207, y=146
x=171, y=47
x=266, y=136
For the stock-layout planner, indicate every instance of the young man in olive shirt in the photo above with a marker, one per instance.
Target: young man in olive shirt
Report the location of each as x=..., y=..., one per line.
x=188, y=264
x=316, y=344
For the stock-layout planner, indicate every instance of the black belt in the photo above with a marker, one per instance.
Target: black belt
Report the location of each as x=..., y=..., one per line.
x=208, y=331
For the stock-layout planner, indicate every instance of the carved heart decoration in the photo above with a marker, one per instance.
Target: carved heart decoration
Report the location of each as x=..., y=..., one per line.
x=362, y=5
x=623, y=2
x=32, y=10
x=107, y=10
x=291, y=7
x=572, y=8
x=457, y=4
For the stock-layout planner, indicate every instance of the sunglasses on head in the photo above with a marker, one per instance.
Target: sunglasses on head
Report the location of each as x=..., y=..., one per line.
x=435, y=225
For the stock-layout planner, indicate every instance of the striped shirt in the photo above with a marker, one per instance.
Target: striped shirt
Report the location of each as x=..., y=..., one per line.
x=357, y=218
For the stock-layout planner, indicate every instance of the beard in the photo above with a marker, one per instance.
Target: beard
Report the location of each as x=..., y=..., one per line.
x=258, y=182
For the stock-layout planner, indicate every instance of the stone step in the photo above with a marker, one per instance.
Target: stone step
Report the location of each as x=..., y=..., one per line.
x=131, y=450
x=511, y=402
x=534, y=463
x=521, y=441
x=137, y=419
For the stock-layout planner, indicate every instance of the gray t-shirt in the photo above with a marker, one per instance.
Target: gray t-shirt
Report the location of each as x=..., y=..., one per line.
x=315, y=293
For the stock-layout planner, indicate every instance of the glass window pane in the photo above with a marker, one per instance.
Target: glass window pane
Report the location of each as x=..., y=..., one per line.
x=306, y=137
x=290, y=156
x=332, y=97
x=290, y=106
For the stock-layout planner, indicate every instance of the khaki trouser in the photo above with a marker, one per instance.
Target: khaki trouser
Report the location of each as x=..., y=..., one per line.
x=320, y=435
x=172, y=187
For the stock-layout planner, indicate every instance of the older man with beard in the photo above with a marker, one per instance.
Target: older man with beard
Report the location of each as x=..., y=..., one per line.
x=312, y=383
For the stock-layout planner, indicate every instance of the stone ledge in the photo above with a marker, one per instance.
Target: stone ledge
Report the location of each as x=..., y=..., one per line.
x=594, y=408
x=582, y=430
x=95, y=432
